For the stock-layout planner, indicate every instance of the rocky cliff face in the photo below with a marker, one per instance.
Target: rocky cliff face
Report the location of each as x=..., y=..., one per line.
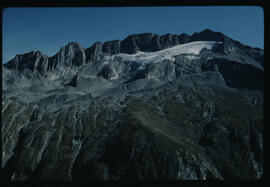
x=34, y=61
x=94, y=53
x=112, y=47
x=169, y=107
x=70, y=55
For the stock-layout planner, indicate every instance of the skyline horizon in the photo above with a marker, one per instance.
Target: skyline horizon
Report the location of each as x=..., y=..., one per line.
x=125, y=38
x=47, y=35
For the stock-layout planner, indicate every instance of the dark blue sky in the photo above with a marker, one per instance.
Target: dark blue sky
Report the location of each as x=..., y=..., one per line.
x=47, y=29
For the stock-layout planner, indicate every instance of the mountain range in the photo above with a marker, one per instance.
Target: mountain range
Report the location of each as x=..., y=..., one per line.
x=170, y=107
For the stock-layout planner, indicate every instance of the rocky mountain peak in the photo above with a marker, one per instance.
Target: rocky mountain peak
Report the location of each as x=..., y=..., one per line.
x=35, y=53
x=112, y=47
x=128, y=45
x=73, y=54
x=150, y=42
x=207, y=35
x=32, y=60
x=73, y=46
x=94, y=52
x=70, y=49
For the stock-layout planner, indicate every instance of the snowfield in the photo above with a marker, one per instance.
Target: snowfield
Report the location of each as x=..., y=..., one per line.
x=193, y=48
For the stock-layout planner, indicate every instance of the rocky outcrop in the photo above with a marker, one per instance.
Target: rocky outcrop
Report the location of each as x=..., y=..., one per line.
x=187, y=65
x=112, y=47
x=207, y=35
x=169, y=40
x=73, y=82
x=235, y=74
x=164, y=70
x=34, y=61
x=129, y=45
x=94, y=53
x=183, y=38
x=229, y=46
x=108, y=73
x=70, y=55
x=150, y=42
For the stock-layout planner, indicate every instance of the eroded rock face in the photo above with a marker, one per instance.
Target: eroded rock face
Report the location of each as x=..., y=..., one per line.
x=169, y=40
x=207, y=35
x=236, y=75
x=109, y=73
x=95, y=115
x=129, y=45
x=94, y=53
x=112, y=47
x=150, y=42
x=70, y=55
x=183, y=38
x=34, y=61
x=229, y=46
x=164, y=70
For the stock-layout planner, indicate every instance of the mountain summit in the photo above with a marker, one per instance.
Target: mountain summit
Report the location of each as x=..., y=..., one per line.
x=149, y=42
x=170, y=107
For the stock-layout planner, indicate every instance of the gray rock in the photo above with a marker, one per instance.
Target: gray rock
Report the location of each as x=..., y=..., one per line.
x=169, y=40
x=129, y=45
x=144, y=41
x=70, y=55
x=183, y=38
x=207, y=35
x=108, y=73
x=34, y=61
x=164, y=70
x=112, y=47
x=94, y=53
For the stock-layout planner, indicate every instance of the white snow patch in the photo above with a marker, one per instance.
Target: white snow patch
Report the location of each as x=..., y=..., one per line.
x=115, y=77
x=105, y=62
x=193, y=48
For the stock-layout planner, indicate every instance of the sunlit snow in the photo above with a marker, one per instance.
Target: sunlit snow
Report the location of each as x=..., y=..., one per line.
x=169, y=53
